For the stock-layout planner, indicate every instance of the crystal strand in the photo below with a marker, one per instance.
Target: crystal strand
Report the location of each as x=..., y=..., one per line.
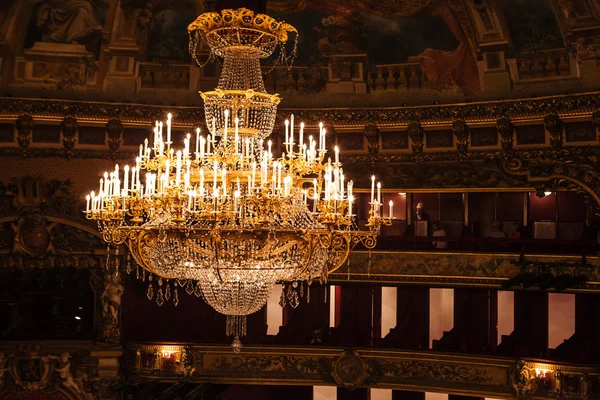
x=308, y=295
x=326, y=290
x=117, y=261
x=107, y=256
x=302, y=289
x=128, y=270
x=150, y=293
x=160, y=298
x=143, y=275
x=176, y=297
x=168, y=292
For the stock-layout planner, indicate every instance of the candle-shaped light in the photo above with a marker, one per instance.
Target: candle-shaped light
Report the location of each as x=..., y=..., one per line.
x=269, y=144
x=237, y=137
x=253, y=175
x=208, y=144
x=169, y=116
x=226, y=123
x=320, y=135
x=224, y=183
x=87, y=207
x=291, y=134
x=178, y=169
x=315, y=195
x=198, y=141
x=126, y=178
x=391, y=209
x=160, y=138
x=287, y=132
x=378, y=192
x=350, y=201
x=372, y=188
x=215, y=171
x=301, y=141
x=337, y=155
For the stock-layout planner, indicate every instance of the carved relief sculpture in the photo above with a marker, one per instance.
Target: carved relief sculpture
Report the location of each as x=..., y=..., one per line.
x=25, y=126
x=553, y=125
x=416, y=135
x=64, y=371
x=506, y=130
x=111, y=305
x=596, y=121
x=461, y=132
x=68, y=21
x=69, y=128
x=372, y=135
x=114, y=127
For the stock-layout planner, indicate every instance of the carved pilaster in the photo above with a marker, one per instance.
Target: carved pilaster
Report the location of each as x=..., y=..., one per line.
x=114, y=127
x=372, y=135
x=554, y=126
x=70, y=129
x=596, y=121
x=460, y=130
x=416, y=135
x=506, y=130
x=25, y=125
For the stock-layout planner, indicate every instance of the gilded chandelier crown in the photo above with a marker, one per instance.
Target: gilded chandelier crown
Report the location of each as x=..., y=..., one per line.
x=255, y=31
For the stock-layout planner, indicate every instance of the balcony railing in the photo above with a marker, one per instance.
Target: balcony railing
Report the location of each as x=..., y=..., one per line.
x=483, y=376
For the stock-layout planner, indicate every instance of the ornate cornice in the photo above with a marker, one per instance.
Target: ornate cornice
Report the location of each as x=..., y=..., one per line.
x=459, y=269
x=521, y=109
x=483, y=376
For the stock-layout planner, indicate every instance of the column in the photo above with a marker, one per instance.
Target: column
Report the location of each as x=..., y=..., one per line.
x=435, y=396
x=324, y=393
x=380, y=394
x=274, y=311
x=441, y=313
x=561, y=318
x=334, y=305
x=389, y=302
x=506, y=313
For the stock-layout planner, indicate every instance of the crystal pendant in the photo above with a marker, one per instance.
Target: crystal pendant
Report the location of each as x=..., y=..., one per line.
x=176, y=297
x=150, y=293
x=168, y=292
x=282, y=299
x=189, y=287
x=160, y=298
x=198, y=290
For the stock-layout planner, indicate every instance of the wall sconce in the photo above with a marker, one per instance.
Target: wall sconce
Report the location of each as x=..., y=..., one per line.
x=544, y=378
x=402, y=194
x=547, y=193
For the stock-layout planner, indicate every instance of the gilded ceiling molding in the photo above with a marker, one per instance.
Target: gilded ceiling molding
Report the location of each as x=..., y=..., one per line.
x=483, y=269
x=482, y=376
x=490, y=111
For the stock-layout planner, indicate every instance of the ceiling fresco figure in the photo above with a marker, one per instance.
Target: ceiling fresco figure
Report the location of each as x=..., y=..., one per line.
x=441, y=66
x=68, y=21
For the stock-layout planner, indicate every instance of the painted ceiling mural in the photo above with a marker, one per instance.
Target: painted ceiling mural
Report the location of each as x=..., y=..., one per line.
x=532, y=25
x=433, y=34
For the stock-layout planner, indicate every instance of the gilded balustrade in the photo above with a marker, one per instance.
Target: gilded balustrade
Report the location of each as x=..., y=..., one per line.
x=483, y=376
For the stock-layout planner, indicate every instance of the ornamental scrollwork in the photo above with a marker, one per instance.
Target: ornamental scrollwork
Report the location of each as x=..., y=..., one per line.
x=69, y=129
x=416, y=135
x=554, y=126
x=523, y=379
x=25, y=126
x=506, y=130
x=460, y=130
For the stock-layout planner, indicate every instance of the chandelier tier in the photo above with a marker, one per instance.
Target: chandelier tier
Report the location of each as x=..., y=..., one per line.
x=231, y=217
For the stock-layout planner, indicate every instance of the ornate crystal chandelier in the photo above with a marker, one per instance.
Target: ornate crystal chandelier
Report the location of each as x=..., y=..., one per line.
x=230, y=220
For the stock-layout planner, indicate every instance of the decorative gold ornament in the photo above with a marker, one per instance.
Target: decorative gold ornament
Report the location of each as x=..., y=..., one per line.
x=230, y=216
